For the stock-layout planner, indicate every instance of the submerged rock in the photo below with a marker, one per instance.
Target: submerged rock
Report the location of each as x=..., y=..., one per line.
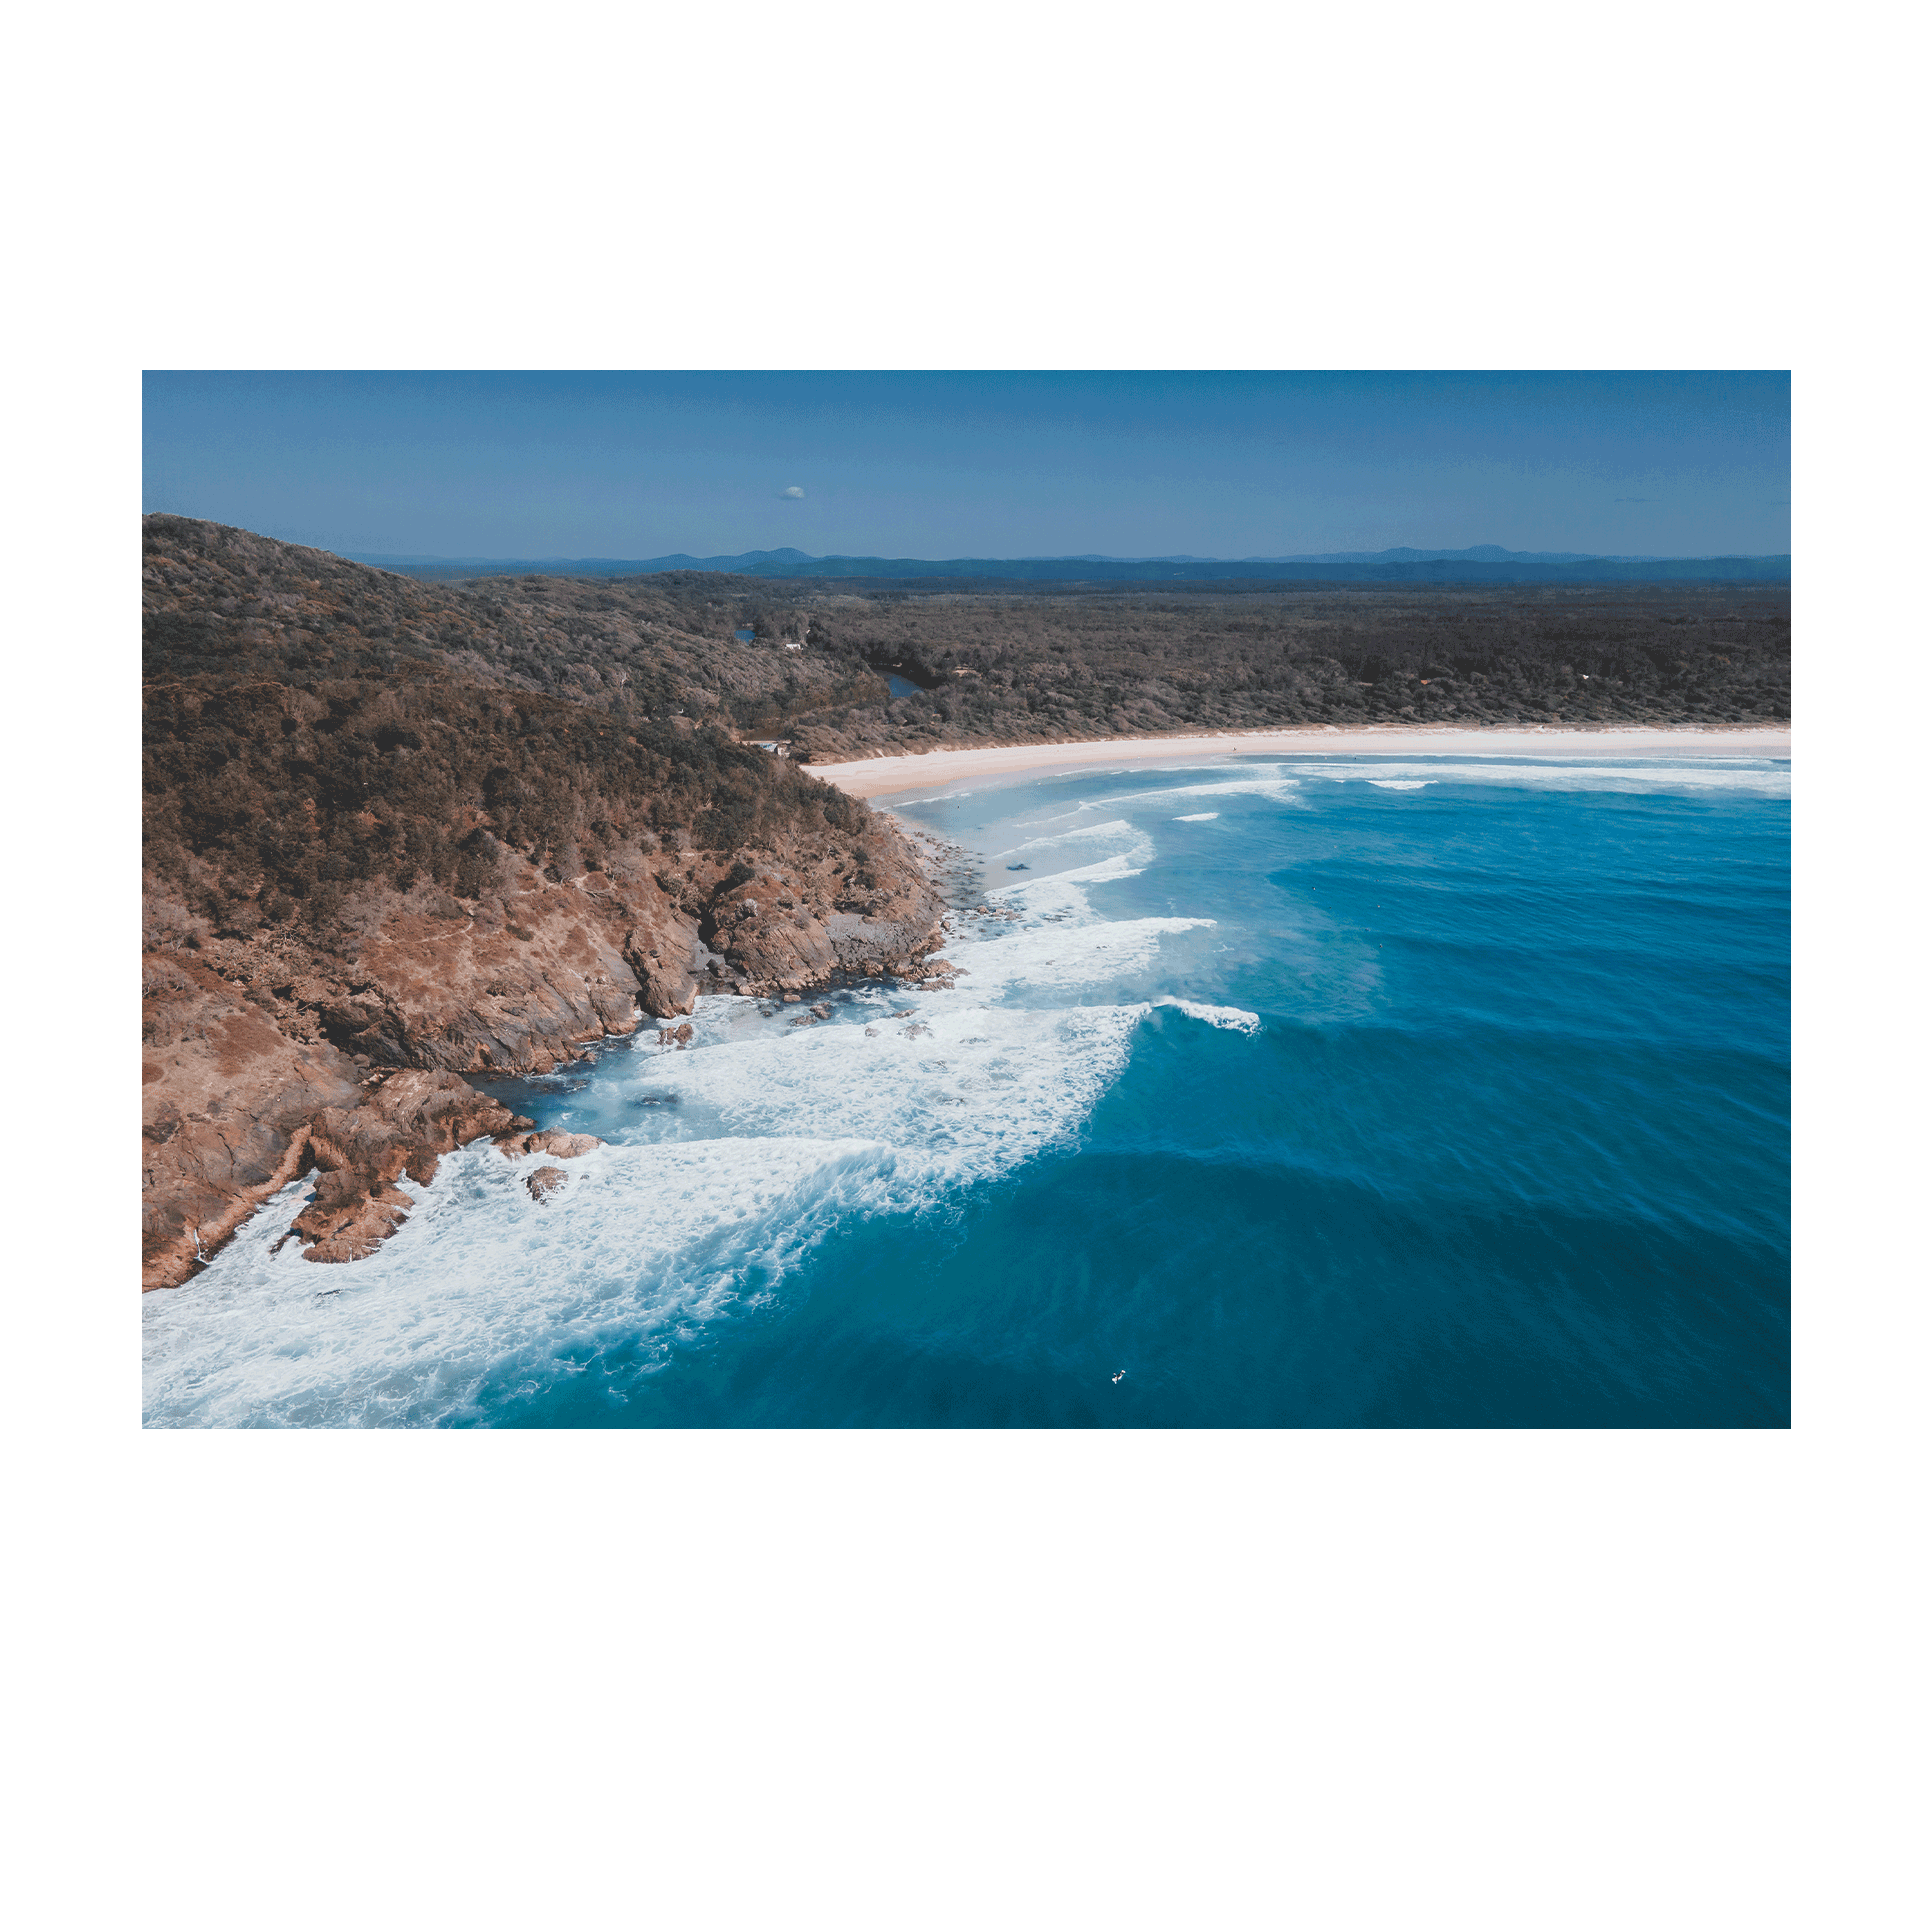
x=543, y=1181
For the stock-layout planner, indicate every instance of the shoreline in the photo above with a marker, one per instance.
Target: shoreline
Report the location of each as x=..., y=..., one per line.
x=902, y=772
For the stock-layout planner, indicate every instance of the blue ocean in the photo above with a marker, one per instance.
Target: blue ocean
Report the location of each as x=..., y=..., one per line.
x=1300, y=1091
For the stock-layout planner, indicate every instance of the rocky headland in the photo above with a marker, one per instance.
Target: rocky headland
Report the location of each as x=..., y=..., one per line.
x=381, y=855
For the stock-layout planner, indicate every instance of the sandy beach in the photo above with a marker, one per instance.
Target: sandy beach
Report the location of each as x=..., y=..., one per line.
x=898, y=773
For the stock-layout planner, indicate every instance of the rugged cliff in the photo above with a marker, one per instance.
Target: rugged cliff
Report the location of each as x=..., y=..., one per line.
x=394, y=836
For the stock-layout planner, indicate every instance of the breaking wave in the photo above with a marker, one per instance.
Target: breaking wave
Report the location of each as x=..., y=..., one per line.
x=1228, y=1019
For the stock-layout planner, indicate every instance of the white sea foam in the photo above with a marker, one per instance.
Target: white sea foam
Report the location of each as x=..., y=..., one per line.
x=1060, y=894
x=989, y=1083
x=1756, y=776
x=1261, y=783
x=1196, y=816
x=642, y=1242
x=1228, y=1019
x=1282, y=782
x=1400, y=786
x=1099, y=830
x=1066, y=957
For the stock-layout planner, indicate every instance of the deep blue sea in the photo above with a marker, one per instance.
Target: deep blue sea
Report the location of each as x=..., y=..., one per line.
x=1305, y=1091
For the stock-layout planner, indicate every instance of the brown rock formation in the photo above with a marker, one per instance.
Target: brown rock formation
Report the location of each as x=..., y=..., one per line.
x=349, y=1228
x=229, y=1100
x=560, y=1144
x=402, y=1123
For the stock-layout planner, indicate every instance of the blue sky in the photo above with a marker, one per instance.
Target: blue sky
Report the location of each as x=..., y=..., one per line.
x=946, y=465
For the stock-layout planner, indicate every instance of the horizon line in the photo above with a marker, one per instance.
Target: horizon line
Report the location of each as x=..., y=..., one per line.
x=1351, y=556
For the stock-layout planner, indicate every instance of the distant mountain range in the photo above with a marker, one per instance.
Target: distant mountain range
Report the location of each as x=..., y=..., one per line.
x=1466, y=565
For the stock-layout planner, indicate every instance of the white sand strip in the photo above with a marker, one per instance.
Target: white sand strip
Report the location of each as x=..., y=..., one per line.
x=896, y=773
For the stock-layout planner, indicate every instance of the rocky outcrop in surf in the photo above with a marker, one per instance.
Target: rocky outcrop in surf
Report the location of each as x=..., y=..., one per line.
x=402, y=1123
x=555, y=1142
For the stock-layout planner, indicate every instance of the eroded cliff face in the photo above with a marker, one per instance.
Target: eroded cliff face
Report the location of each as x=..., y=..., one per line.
x=268, y=1057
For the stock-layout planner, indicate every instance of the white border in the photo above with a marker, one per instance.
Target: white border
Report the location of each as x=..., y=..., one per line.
x=931, y=1674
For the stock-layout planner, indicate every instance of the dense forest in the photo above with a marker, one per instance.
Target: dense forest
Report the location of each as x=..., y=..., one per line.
x=1006, y=668
x=1054, y=662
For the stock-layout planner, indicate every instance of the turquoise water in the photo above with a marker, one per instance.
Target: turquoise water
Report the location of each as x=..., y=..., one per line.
x=1305, y=1091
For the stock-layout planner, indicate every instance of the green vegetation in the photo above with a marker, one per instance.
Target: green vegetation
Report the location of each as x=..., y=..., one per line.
x=1003, y=668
